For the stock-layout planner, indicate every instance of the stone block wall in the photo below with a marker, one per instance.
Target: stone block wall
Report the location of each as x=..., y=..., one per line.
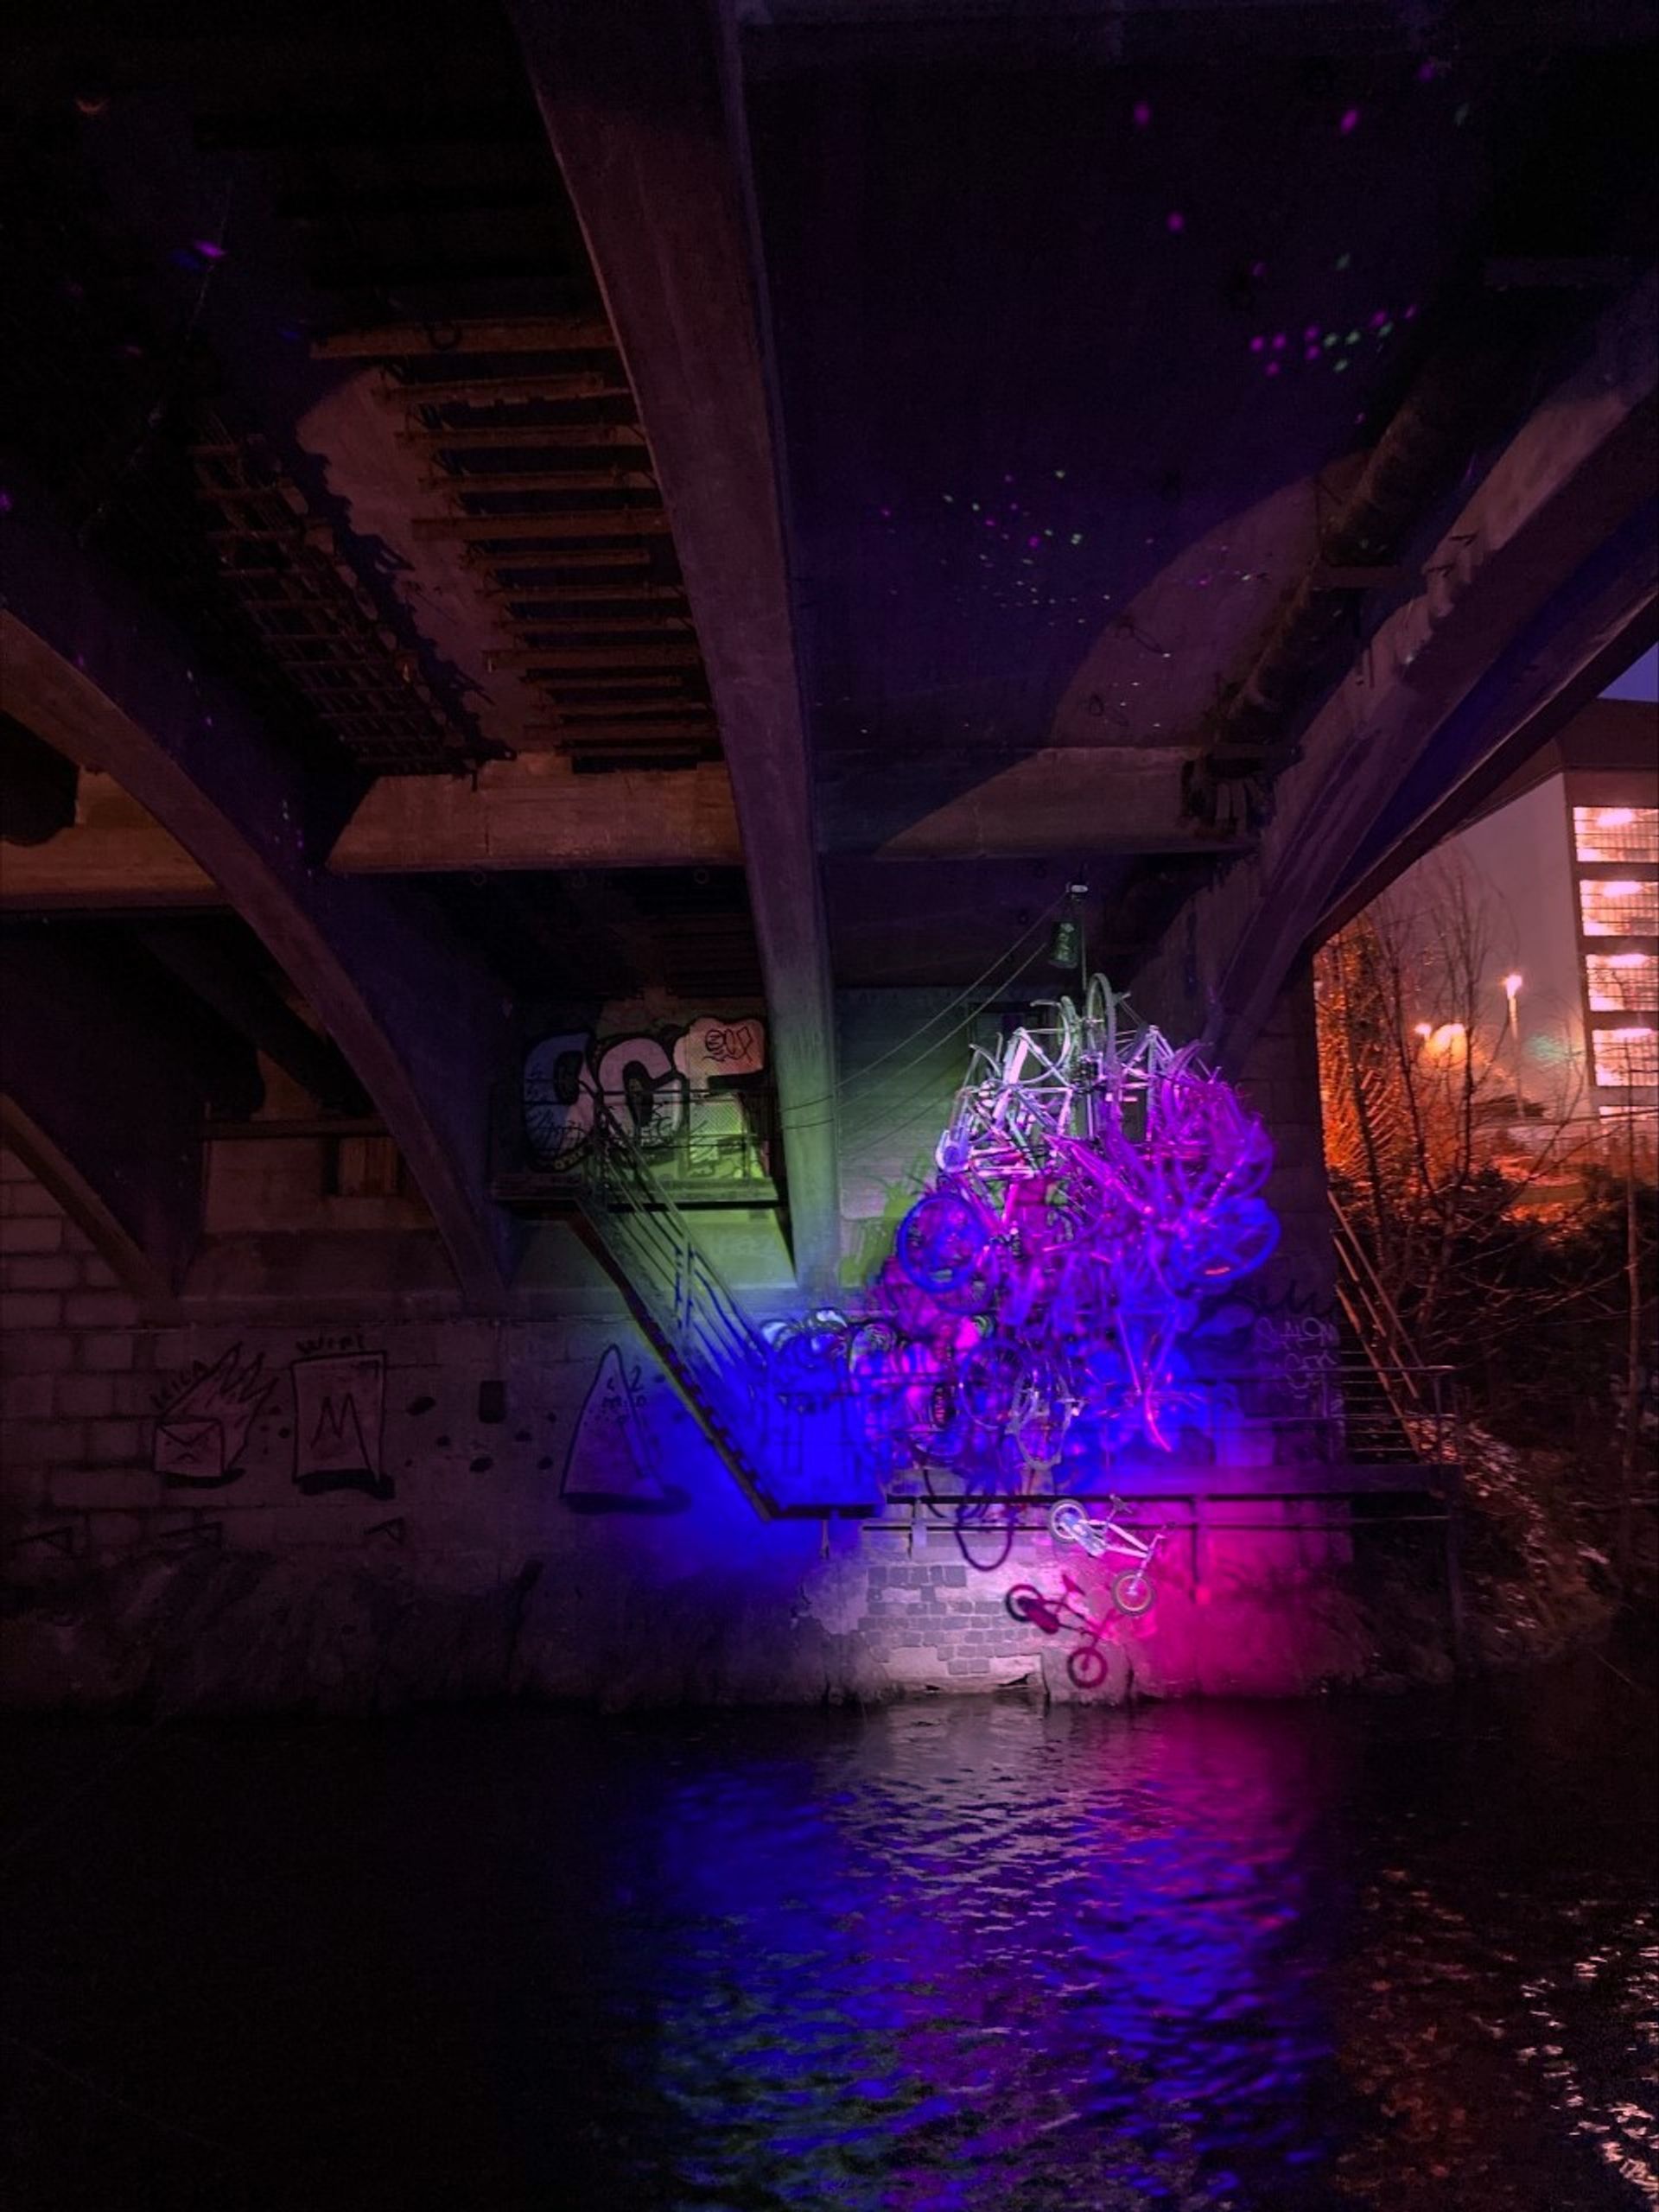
x=350, y=1514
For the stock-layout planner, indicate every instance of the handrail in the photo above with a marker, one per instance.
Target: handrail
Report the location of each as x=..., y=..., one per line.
x=717, y=1358
x=1377, y=1323
x=719, y=1361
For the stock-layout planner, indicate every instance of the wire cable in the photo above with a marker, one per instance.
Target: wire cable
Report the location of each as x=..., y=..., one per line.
x=858, y=1081
x=862, y=1144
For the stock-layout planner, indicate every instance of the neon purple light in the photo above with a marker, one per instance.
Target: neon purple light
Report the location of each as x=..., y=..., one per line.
x=1095, y=1187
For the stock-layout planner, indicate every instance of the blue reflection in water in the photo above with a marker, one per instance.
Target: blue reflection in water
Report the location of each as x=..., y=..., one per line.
x=1382, y=1956
x=971, y=1958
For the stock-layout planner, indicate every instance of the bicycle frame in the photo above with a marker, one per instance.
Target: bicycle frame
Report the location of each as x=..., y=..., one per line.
x=1069, y=1523
x=1096, y=1185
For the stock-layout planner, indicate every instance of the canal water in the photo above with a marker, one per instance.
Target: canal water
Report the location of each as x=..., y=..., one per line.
x=1386, y=1956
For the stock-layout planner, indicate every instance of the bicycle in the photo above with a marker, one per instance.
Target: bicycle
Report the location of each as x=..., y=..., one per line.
x=1131, y=1587
x=1086, y=1662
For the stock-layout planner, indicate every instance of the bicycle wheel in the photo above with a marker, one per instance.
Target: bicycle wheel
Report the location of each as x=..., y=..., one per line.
x=1069, y=1523
x=939, y=1242
x=1027, y=1603
x=1132, y=1591
x=992, y=1379
x=1067, y=1215
x=933, y=1421
x=1087, y=1665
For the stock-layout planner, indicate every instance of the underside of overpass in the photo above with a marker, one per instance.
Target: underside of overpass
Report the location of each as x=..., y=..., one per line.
x=566, y=551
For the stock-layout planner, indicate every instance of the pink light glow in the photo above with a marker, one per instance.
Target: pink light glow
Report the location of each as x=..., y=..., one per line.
x=1350, y=122
x=1175, y=221
x=1143, y=114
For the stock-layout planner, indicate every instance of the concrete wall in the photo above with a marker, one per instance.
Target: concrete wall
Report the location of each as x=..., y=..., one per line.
x=1278, y=1079
x=903, y=1055
x=353, y=1512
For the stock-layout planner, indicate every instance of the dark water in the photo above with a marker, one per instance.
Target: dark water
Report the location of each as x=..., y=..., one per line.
x=1393, y=1955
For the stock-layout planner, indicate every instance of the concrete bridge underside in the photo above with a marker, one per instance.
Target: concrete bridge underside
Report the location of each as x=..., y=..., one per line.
x=569, y=547
x=996, y=456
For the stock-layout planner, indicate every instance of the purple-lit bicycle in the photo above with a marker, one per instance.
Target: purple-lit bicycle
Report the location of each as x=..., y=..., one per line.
x=1132, y=1587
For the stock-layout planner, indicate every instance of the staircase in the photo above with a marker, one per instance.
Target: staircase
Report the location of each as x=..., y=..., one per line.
x=1397, y=1409
x=791, y=1461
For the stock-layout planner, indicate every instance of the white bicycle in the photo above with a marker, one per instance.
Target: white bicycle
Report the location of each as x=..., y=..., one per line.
x=1132, y=1587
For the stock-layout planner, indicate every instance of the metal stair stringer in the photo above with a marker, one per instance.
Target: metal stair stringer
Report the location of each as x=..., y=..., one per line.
x=713, y=1353
x=1398, y=1390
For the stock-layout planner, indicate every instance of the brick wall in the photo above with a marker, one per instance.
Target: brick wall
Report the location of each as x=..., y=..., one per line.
x=70, y=1350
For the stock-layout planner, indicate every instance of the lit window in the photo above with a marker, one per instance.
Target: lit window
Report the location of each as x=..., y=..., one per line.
x=1616, y=833
x=1622, y=983
x=1624, y=907
x=1627, y=1056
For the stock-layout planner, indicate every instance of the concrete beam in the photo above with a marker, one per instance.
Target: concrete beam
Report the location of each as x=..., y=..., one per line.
x=112, y=855
x=1554, y=558
x=1063, y=802
x=537, y=812
x=1622, y=728
x=647, y=128
x=823, y=37
x=424, y=1024
x=249, y=1000
x=534, y=812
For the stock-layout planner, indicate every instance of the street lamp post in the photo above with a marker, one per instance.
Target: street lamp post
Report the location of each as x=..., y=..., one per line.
x=1512, y=994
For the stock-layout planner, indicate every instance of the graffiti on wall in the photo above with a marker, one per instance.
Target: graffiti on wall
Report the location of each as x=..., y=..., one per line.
x=612, y=1463
x=202, y=1420
x=1300, y=1350
x=340, y=1393
x=680, y=1092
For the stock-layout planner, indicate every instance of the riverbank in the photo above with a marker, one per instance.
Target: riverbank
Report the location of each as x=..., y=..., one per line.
x=1255, y=1603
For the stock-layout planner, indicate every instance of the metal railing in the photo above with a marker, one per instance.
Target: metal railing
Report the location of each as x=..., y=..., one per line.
x=1251, y=1429
x=1420, y=1396
x=788, y=1458
x=715, y=1147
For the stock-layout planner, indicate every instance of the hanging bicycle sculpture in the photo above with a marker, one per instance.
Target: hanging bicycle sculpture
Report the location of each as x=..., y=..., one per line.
x=1095, y=1186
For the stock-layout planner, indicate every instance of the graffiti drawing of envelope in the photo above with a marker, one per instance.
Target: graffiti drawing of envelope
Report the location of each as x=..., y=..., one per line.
x=190, y=1450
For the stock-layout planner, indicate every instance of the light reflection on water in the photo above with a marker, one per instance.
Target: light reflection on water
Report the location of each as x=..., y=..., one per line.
x=947, y=1957
x=966, y=1950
